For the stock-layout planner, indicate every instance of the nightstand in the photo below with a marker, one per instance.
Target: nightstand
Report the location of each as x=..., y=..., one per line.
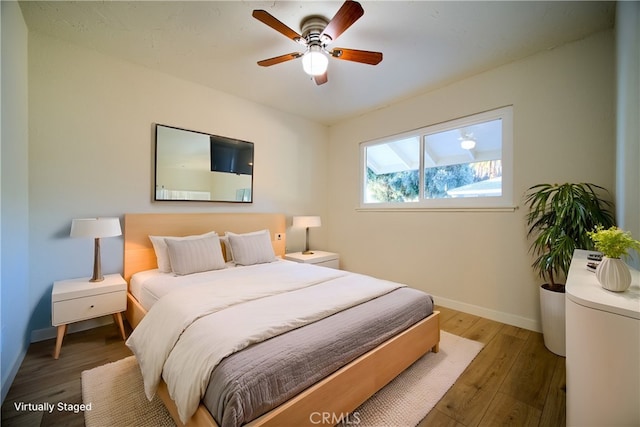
x=79, y=299
x=325, y=259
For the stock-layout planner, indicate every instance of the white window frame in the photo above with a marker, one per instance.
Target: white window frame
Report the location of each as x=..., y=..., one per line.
x=503, y=202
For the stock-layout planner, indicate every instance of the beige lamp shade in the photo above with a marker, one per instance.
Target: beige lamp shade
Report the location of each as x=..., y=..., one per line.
x=306, y=221
x=95, y=228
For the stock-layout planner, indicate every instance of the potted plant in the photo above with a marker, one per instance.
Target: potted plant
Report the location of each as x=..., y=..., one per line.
x=559, y=219
x=612, y=272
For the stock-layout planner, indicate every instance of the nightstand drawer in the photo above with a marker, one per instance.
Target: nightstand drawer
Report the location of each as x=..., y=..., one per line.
x=74, y=310
x=333, y=263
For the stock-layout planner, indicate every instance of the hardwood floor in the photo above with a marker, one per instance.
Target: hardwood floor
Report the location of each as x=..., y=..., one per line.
x=41, y=378
x=514, y=380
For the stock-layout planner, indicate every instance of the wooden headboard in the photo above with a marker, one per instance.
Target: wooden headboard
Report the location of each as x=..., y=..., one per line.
x=138, y=250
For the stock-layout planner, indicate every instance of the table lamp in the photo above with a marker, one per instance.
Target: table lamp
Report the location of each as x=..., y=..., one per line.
x=96, y=228
x=306, y=222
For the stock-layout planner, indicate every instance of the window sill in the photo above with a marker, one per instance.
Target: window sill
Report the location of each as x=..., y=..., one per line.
x=446, y=209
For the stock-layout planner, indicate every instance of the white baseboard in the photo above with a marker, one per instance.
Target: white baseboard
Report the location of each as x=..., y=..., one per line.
x=498, y=316
x=48, y=333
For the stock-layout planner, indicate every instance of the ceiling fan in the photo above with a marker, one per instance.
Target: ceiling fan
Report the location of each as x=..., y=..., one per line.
x=317, y=34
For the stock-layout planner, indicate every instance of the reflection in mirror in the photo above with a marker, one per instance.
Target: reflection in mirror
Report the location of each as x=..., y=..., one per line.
x=196, y=166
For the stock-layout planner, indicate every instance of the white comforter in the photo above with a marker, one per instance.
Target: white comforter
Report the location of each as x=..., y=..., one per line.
x=189, y=331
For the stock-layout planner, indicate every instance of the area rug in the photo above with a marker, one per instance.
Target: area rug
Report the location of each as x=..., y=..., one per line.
x=116, y=394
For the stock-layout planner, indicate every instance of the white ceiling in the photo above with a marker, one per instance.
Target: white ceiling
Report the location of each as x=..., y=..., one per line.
x=426, y=44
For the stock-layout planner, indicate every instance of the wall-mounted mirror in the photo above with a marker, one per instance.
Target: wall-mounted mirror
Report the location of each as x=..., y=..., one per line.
x=197, y=166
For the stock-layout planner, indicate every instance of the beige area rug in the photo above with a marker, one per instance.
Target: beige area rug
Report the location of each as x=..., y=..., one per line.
x=117, y=398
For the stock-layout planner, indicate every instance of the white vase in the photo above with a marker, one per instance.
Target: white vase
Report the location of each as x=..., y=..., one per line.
x=613, y=274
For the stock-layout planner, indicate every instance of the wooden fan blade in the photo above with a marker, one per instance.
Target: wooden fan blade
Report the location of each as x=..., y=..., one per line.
x=364, y=56
x=348, y=13
x=321, y=79
x=278, y=59
x=268, y=19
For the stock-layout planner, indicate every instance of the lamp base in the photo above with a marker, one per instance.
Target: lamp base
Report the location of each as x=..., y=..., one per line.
x=97, y=268
x=306, y=244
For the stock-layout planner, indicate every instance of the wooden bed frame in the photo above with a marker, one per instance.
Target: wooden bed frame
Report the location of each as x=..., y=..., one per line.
x=338, y=394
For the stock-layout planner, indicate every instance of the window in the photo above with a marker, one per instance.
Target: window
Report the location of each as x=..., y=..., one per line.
x=463, y=163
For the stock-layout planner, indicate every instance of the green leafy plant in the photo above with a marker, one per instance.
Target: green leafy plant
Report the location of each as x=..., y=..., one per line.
x=559, y=220
x=613, y=242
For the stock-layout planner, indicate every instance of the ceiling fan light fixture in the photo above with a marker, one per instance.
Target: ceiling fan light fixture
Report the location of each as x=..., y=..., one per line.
x=468, y=143
x=315, y=62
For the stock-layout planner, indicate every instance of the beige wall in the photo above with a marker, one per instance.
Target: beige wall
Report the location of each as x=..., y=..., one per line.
x=478, y=261
x=91, y=148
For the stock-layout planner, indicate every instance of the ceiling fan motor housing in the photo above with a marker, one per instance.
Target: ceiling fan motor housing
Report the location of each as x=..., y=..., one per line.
x=312, y=28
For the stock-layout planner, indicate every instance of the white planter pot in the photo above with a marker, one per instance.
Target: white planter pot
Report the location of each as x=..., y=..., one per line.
x=552, y=309
x=613, y=274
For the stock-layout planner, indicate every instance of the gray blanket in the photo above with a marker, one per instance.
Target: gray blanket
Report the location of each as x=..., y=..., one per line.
x=257, y=379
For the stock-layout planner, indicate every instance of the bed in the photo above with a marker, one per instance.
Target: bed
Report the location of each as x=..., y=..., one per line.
x=410, y=334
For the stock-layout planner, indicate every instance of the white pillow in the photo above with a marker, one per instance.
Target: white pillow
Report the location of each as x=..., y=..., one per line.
x=195, y=255
x=160, y=248
x=251, y=248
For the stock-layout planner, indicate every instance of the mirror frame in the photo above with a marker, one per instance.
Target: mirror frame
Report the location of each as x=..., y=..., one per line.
x=226, y=140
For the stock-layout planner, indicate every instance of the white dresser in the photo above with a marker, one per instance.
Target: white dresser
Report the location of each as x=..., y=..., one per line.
x=603, y=350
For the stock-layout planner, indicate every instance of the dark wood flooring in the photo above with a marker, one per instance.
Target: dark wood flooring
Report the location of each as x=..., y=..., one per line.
x=513, y=381
x=41, y=378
